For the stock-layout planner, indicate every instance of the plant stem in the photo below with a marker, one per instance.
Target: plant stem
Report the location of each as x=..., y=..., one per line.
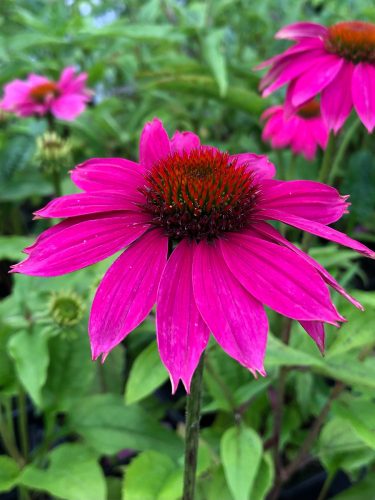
x=342, y=150
x=314, y=431
x=193, y=410
x=278, y=413
x=8, y=440
x=22, y=423
x=291, y=172
x=324, y=175
x=327, y=483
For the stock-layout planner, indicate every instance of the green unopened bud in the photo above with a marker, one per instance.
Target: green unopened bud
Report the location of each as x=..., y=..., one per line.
x=53, y=152
x=66, y=309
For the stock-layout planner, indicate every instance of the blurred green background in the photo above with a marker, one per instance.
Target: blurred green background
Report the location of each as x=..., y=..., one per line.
x=79, y=430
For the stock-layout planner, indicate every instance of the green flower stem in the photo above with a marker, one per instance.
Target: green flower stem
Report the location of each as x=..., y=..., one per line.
x=56, y=181
x=324, y=175
x=7, y=438
x=55, y=175
x=22, y=423
x=342, y=150
x=292, y=168
x=193, y=411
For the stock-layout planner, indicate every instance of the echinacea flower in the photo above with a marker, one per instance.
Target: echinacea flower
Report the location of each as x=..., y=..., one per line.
x=38, y=95
x=193, y=221
x=302, y=131
x=337, y=62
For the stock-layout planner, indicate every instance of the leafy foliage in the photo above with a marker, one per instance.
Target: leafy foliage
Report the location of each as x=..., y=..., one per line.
x=111, y=431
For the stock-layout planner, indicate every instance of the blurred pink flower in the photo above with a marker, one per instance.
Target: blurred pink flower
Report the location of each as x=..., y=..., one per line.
x=337, y=62
x=302, y=131
x=227, y=261
x=38, y=95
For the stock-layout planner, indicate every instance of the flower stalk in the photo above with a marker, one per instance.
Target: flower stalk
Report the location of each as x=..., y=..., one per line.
x=193, y=414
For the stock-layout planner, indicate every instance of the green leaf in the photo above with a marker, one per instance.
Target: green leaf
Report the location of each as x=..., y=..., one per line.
x=146, y=475
x=30, y=353
x=360, y=415
x=236, y=97
x=9, y=472
x=364, y=490
x=12, y=246
x=146, y=374
x=340, y=448
x=241, y=453
x=279, y=354
x=213, y=54
x=73, y=474
x=70, y=374
x=109, y=426
x=264, y=479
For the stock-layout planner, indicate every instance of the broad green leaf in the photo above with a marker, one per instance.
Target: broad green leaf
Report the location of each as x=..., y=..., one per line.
x=358, y=331
x=279, y=354
x=364, y=490
x=73, y=474
x=12, y=246
x=109, y=426
x=213, y=53
x=264, y=478
x=9, y=472
x=339, y=447
x=30, y=353
x=71, y=372
x=360, y=415
x=236, y=97
x=146, y=475
x=241, y=453
x=146, y=374
x=215, y=486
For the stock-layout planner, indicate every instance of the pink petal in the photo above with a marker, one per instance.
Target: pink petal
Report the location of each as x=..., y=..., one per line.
x=309, y=199
x=184, y=142
x=82, y=242
x=68, y=107
x=290, y=67
x=302, y=46
x=259, y=164
x=363, y=91
x=127, y=292
x=336, y=101
x=237, y=320
x=279, y=278
x=319, y=131
x=316, y=331
x=14, y=93
x=181, y=332
x=73, y=205
x=322, y=71
x=318, y=229
x=72, y=82
x=268, y=231
x=114, y=174
x=154, y=144
x=300, y=30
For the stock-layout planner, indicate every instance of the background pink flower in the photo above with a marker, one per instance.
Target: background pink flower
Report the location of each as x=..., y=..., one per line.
x=37, y=95
x=227, y=262
x=302, y=131
x=337, y=62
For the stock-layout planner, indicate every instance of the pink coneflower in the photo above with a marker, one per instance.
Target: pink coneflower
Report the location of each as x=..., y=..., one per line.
x=37, y=95
x=337, y=62
x=302, y=131
x=193, y=219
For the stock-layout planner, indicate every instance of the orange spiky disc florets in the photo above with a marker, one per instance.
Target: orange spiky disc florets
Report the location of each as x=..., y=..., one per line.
x=200, y=194
x=353, y=40
x=43, y=90
x=309, y=110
